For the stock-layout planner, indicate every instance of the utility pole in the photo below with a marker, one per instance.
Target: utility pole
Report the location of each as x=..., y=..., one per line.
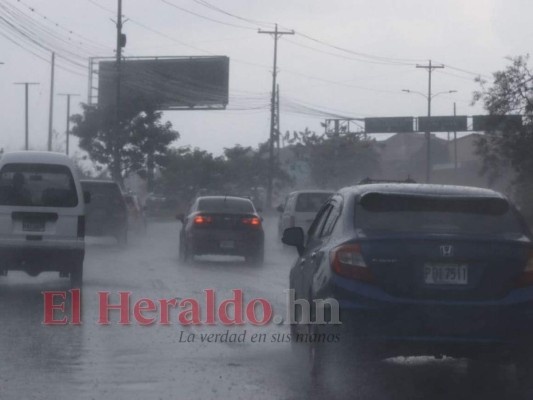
x=121, y=42
x=455, y=145
x=68, y=95
x=51, y=115
x=276, y=34
x=430, y=69
x=26, y=113
x=277, y=127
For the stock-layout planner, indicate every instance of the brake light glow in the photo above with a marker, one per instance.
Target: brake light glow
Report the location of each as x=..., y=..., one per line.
x=526, y=279
x=203, y=219
x=254, y=221
x=347, y=261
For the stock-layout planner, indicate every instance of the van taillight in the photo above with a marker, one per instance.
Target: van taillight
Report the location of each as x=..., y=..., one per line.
x=347, y=261
x=81, y=226
x=526, y=278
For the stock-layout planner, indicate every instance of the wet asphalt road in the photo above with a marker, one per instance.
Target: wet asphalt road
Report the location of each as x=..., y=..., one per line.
x=92, y=361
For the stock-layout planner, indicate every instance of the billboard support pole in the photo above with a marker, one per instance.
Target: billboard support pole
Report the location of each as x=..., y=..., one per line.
x=276, y=34
x=116, y=150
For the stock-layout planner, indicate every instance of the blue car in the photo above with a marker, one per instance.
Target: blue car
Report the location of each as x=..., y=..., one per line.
x=412, y=270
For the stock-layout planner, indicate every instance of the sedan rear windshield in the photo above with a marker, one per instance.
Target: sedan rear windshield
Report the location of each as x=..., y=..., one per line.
x=225, y=205
x=38, y=185
x=311, y=202
x=436, y=214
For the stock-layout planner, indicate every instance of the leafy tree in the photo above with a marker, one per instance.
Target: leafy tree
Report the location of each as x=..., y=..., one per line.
x=501, y=149
x=140, y=141
x=187, y=171
x=335, y=160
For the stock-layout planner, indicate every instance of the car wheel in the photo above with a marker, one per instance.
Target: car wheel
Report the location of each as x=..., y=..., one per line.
x=524, y=374
x=184, y=255
x=76, y=276
x=257, y=259
x=122, y=237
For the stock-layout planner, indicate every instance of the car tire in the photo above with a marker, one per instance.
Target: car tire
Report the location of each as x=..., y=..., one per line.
x=257, y=259
x=184, y=253
x=76, y=276
x=524, y=374
x=122, y=238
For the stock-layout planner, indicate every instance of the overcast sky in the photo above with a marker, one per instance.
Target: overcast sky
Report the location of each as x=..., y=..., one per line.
x=386, y=39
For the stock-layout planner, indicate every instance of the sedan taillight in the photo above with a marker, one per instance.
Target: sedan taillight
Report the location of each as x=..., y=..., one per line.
x=253, y=222
x=203, y=219
x=347, y=261
x=526, y=278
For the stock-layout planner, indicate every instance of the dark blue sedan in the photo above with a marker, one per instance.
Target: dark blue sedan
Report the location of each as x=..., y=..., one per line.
x=414, y=269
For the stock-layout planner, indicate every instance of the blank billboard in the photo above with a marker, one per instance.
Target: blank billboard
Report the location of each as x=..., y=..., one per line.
x=170, y=82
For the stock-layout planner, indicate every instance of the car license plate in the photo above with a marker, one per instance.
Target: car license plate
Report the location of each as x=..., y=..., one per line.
x=227, y=244
x=33, y=226
x=446, y=274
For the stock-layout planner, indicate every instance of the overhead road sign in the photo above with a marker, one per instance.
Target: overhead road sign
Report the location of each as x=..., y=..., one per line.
x=496, y=122
x=389, y=125
x=442, y=124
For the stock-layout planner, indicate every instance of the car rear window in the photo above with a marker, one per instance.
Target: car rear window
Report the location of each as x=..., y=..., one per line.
x=104, y=195
x=437, y=214
x=38, y=185
x=311, y=202
x=224, y=205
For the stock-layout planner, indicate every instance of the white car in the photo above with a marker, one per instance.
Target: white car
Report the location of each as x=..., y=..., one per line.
x=42, y=221
x=300, y=208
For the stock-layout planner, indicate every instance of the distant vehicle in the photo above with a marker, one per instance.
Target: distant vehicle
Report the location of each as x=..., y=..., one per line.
x=418, y=269
x=222, y=225
x=42, y=223
x=136, y=215
x=300, y=208
x=107, y=214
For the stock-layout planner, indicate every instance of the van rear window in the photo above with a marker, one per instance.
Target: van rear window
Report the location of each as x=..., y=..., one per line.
x=311, y=202
x=37, y=185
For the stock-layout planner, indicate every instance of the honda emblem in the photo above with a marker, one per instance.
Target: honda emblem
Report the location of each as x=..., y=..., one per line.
x=446, y=250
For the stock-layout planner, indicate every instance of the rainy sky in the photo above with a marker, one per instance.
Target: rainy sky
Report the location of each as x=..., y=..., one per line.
x=348, y=58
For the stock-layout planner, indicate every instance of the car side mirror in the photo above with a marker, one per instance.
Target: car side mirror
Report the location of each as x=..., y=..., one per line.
x=280, y=208
x=259, y=209
x=86, y=197
x=294, y=237
x=180, y=217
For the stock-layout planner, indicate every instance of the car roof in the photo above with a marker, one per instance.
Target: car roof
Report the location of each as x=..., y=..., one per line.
x=318, y=191
x=99, y=181
x=225, y=197
x=36, y=157
x=422, y=189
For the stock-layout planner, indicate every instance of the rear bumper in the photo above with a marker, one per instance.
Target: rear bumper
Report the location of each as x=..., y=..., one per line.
x=240, y=243
x=398, y=326
x=45, y=256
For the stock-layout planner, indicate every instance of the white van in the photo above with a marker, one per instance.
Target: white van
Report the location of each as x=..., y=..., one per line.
x=42, y=221
x=300, y=208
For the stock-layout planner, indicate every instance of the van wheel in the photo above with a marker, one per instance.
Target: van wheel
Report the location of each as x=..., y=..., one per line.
x=76, y=276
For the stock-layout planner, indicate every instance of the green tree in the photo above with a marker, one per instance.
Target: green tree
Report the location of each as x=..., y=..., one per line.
x=501, y=149
x=140, y=141
x=336, y=160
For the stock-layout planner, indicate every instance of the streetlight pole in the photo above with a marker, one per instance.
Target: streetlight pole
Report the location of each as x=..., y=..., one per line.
x=26, y=113
x=429, y=97
x=430, y=69
x=68, y=95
